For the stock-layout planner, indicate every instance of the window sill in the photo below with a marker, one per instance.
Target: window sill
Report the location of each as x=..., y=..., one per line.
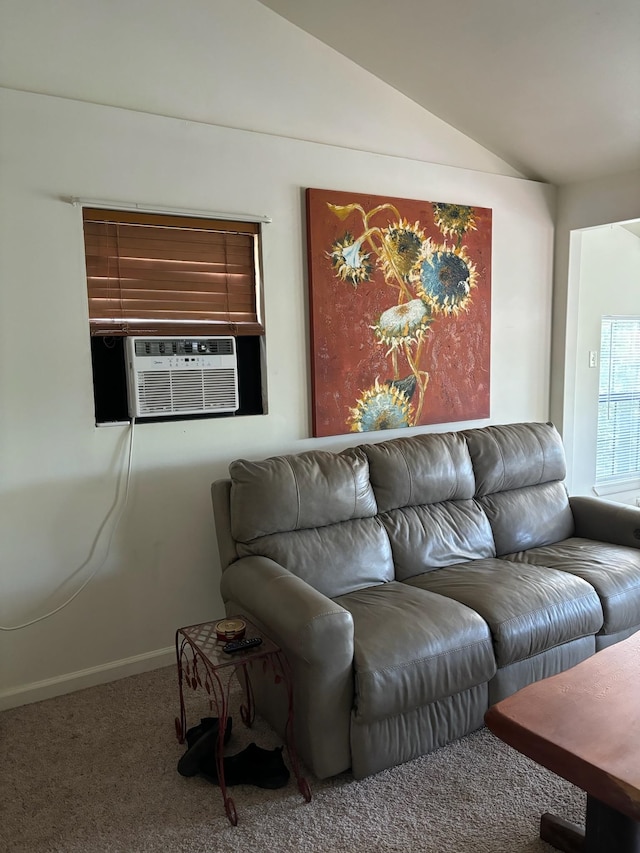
x=617, y=487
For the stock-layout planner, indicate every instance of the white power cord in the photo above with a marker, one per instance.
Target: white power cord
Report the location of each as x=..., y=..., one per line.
x=94, y=543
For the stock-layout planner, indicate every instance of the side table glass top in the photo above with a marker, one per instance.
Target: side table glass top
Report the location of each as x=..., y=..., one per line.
x=204, y=639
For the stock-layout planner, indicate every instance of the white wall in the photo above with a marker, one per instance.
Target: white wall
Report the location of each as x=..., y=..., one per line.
x=58, y=472
x=236, y=64
x=587, y=204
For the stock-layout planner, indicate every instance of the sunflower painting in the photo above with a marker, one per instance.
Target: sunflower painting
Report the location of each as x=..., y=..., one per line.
x=400, y=297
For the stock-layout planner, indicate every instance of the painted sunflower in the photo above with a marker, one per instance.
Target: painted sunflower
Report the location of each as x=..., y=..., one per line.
x=406, y=323
x=383, y=406
x=348, y=261
x=454, y=219
x=401, y=244
x=444, y=278
x=406, y=385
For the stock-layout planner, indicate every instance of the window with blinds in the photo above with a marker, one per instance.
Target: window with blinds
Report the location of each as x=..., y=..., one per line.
x=158, y=274
x=151, y=274
x=618, y=444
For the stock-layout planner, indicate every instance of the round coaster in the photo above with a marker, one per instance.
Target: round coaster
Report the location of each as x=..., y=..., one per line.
x=230, y=629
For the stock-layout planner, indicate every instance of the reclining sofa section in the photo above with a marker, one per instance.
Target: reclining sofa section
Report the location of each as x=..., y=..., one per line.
x=414, y=582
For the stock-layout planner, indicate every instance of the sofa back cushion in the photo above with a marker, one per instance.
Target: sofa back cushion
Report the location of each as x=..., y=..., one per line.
x=437, y=535
x=519, y=471
x=422, y=469
x=299, y=491
x=313, y=513
x=424, y=486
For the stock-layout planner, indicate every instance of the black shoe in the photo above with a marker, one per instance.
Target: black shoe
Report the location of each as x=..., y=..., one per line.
x=202, y=741
x=253, y=766
x=206, y=723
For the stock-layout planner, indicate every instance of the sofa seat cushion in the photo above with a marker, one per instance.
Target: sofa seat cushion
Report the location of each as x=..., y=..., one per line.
x=613, y=571
x=529, y=608
x=412, y=648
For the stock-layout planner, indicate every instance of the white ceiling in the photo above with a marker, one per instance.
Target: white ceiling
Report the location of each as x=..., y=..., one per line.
x=550, y=86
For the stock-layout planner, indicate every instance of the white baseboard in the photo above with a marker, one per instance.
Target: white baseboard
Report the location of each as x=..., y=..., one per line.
x=71, y=681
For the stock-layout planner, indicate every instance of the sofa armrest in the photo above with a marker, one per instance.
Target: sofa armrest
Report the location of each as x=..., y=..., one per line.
x=302, y=620
x=317, y=637
x=606, y=521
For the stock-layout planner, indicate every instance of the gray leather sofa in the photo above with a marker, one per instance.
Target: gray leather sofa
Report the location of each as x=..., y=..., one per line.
x=414, y=582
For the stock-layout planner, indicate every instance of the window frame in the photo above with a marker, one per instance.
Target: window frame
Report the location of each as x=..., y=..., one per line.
x=618, y=360
x=107, y=341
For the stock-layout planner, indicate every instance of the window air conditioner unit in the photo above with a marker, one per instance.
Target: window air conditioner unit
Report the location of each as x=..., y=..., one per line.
x=181, y=376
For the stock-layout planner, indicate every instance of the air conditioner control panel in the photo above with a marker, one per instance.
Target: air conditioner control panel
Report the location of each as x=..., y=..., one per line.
x=182, y=346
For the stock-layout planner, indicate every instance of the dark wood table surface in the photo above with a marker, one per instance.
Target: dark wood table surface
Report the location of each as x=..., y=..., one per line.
x=584, y=725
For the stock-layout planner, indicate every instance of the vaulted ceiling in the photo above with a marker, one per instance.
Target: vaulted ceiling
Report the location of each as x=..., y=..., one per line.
x=550, y=86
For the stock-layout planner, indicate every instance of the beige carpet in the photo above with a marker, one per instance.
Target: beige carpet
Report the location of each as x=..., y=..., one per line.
x=95, y=772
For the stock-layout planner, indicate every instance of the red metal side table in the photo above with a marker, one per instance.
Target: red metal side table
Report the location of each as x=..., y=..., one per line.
x=202, y=663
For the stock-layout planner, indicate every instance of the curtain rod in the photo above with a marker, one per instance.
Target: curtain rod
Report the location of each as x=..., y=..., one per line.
x=148, y=208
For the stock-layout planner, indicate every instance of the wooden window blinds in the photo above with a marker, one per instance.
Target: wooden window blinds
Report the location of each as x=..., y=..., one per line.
x=155, y=274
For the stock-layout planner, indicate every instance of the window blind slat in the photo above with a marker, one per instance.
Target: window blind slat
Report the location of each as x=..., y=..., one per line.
x=175, y=326
x=168, y=248
x=114, y=232
x=218, y=283
x=169, y=314
x=144, y=267
x=95, y=214
x=147, y=268
x=209, y=299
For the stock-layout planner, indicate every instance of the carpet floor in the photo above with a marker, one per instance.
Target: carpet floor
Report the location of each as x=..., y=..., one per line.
x=95, y=772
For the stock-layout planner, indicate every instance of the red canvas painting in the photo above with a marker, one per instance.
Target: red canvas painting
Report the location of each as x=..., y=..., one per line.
x=400, y=298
